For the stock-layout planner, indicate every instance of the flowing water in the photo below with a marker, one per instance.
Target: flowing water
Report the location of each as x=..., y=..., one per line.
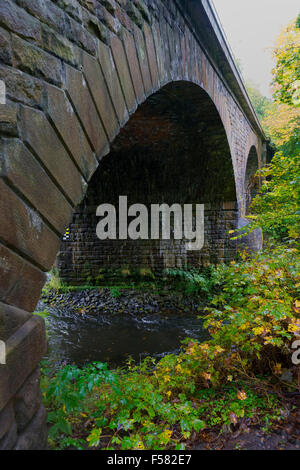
x=111, y=338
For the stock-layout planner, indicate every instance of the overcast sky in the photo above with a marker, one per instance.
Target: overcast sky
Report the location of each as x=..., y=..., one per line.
x=252, y=27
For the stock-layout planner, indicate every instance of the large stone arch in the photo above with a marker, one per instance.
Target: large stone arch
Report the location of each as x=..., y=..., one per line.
x=174, y=149
x=74, y=73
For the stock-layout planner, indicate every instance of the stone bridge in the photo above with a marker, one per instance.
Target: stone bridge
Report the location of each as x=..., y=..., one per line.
x=148, y=88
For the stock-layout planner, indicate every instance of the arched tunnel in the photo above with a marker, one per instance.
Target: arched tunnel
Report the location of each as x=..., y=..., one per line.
x=173, y=150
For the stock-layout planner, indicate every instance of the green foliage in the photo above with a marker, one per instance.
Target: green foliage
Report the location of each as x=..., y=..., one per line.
x=292, y=146
x=159, y=405
x=131, y=408
x=256, y=310
x=281, y=124
x=287, y=70
x=42, y=314
x=195, y=281
x=143, y=409
x=224, y=407
x=115, y=291
x=276, y=208
x=54, y=282
x=261, y=103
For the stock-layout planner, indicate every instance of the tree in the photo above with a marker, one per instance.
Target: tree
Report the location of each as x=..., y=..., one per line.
x=281, y=123
x=276, y=208
x=260, y=103
x=287, y=69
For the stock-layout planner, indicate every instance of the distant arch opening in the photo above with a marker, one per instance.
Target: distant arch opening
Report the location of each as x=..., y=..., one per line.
x=251, y=178
x=174, y=149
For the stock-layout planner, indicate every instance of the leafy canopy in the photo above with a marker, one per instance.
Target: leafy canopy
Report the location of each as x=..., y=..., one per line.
x=276, y=208
x=287, y=69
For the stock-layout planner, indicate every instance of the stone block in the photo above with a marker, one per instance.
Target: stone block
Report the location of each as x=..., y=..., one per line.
x=72, y=7
x=143, y=59
x=9, y=440
x=10, y=268
x=20, y=282
x=123, y=18
x=61, y=112
x=95, y=26
x=19, y=21
x=27, y=290
x=20, y=167
x=123, y=71
x=34, y=436
x=45, y=11
x=110, y=21
x=151, y=55
x=99, y=90
x=89, y=4
x=21, y=87
x=21, y=227
x=175, y=68
x=24, y=350
x=27, y=400
x=5, y=48
x=112, y=81
x=134, y=14
x=81, y=98
x=143, y=9
x=36, y=62
x=78, y=34
x=7, y=420
x=134, y=66
x=8, y=119
x=11, y=319
x=162, y=52
x=59, y=46
x=39, y=134
x=110, y=5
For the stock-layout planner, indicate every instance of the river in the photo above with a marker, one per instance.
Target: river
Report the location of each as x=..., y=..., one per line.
x=112, y=338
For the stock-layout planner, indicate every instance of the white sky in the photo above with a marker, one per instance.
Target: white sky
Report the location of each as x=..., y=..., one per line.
x=251, y=27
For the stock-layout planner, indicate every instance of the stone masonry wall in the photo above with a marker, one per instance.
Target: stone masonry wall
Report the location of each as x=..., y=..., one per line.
x=75, y=70
x=83, y=258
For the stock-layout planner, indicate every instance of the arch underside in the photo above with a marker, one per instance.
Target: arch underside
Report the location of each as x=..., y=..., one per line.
x=254, y=241
x=173, y=150
x=251, y=178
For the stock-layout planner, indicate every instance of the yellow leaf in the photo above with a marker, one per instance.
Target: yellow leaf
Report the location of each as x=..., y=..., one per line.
x=241, y=395
x=277, y=369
